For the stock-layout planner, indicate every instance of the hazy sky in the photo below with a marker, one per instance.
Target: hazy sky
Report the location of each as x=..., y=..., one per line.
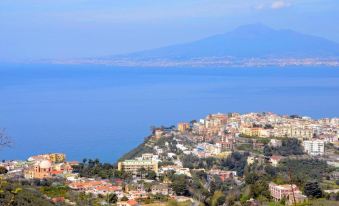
x=35, y=29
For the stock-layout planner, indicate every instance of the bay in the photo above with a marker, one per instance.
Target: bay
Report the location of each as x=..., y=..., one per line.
x=96, y=111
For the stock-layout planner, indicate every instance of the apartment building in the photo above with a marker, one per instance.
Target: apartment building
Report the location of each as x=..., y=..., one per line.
x=134, y=165
x=314, y=147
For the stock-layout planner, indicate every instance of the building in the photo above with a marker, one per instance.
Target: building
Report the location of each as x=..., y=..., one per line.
x=275, y=159
x=158, y=133
x=301, y=133
x=53, y=157
x=250, y=160
x=223, y=175
x=290, y=192
x=127, y=203
x=134, y=165
x=314, y=147
x=183, y=126
x=225, y=146
x=46, y=169
x=275, y=143
x=254, y=131
x=39, y=170
x=160, y=189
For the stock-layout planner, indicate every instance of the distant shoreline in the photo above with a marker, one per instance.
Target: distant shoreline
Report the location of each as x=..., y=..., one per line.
x=204, y=62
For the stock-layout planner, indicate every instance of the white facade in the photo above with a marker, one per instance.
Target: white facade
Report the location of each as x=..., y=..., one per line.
x=314, y=147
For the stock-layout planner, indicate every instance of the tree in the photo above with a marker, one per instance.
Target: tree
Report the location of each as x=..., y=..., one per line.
x=251, y=178
x=179, y=185
x=267, y=151
x=236, y=161
x=289, y=146
x=150, y=174
x=112, y=198
x=312, y=189
x=3, y=170
x=217, y=199
x=124, y=198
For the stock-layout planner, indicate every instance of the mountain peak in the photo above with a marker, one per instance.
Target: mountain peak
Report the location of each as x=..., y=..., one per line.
x=248, y=41
x=254, y=28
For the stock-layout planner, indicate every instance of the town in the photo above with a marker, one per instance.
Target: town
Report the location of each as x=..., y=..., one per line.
x=223, y=159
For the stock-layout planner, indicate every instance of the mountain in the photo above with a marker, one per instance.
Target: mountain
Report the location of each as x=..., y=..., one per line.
x=253, y=45
x=250, y=41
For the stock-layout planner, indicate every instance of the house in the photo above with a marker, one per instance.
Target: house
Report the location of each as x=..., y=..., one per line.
x=107, y=189
x=275, y=143
x=128, y=203
x=160, y=189
x=297, y=198
x=227, y=145
x=96, y=187
x=58, y=200
x=275, y=159
x=290, y=192
x=223, y=175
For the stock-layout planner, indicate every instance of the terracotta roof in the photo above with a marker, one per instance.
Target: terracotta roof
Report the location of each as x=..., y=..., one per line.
x=132, y=202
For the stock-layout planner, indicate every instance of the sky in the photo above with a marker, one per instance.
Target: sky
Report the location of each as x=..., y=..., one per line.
x=62, y=29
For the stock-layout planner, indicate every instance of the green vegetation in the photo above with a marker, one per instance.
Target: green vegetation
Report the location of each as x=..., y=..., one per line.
x=175, y=203
x=94, y=168
x=180, y=185
x=236, y=161
x=304, y=170
x=57, y=191
x=290, y=146
x=3, y=170
x=16, y=194
x=148, y=174
x=313, y=190
x=217, y=199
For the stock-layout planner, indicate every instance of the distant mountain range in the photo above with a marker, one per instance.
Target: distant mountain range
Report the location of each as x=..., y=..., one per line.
x=249, y=45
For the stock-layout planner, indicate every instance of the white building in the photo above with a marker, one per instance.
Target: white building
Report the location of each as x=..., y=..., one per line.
x=314, y=147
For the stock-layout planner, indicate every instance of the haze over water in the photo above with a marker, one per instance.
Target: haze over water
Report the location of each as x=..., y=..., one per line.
x=103, y=112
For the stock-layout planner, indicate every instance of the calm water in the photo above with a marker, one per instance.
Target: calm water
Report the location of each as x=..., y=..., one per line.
x=100, y=111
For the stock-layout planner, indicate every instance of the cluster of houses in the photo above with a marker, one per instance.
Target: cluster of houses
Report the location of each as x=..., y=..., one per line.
x=40, y=166
x=217, y=135
x=96, y=187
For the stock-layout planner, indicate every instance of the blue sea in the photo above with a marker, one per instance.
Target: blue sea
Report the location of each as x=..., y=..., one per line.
x=103, y=112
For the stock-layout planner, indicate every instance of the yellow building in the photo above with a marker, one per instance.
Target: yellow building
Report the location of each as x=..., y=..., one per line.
x=53, y=157
x=254, y=131
x=224, y=154
x=134, y=165
x=183, y=126
x=57, y=157
x=296, y=132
